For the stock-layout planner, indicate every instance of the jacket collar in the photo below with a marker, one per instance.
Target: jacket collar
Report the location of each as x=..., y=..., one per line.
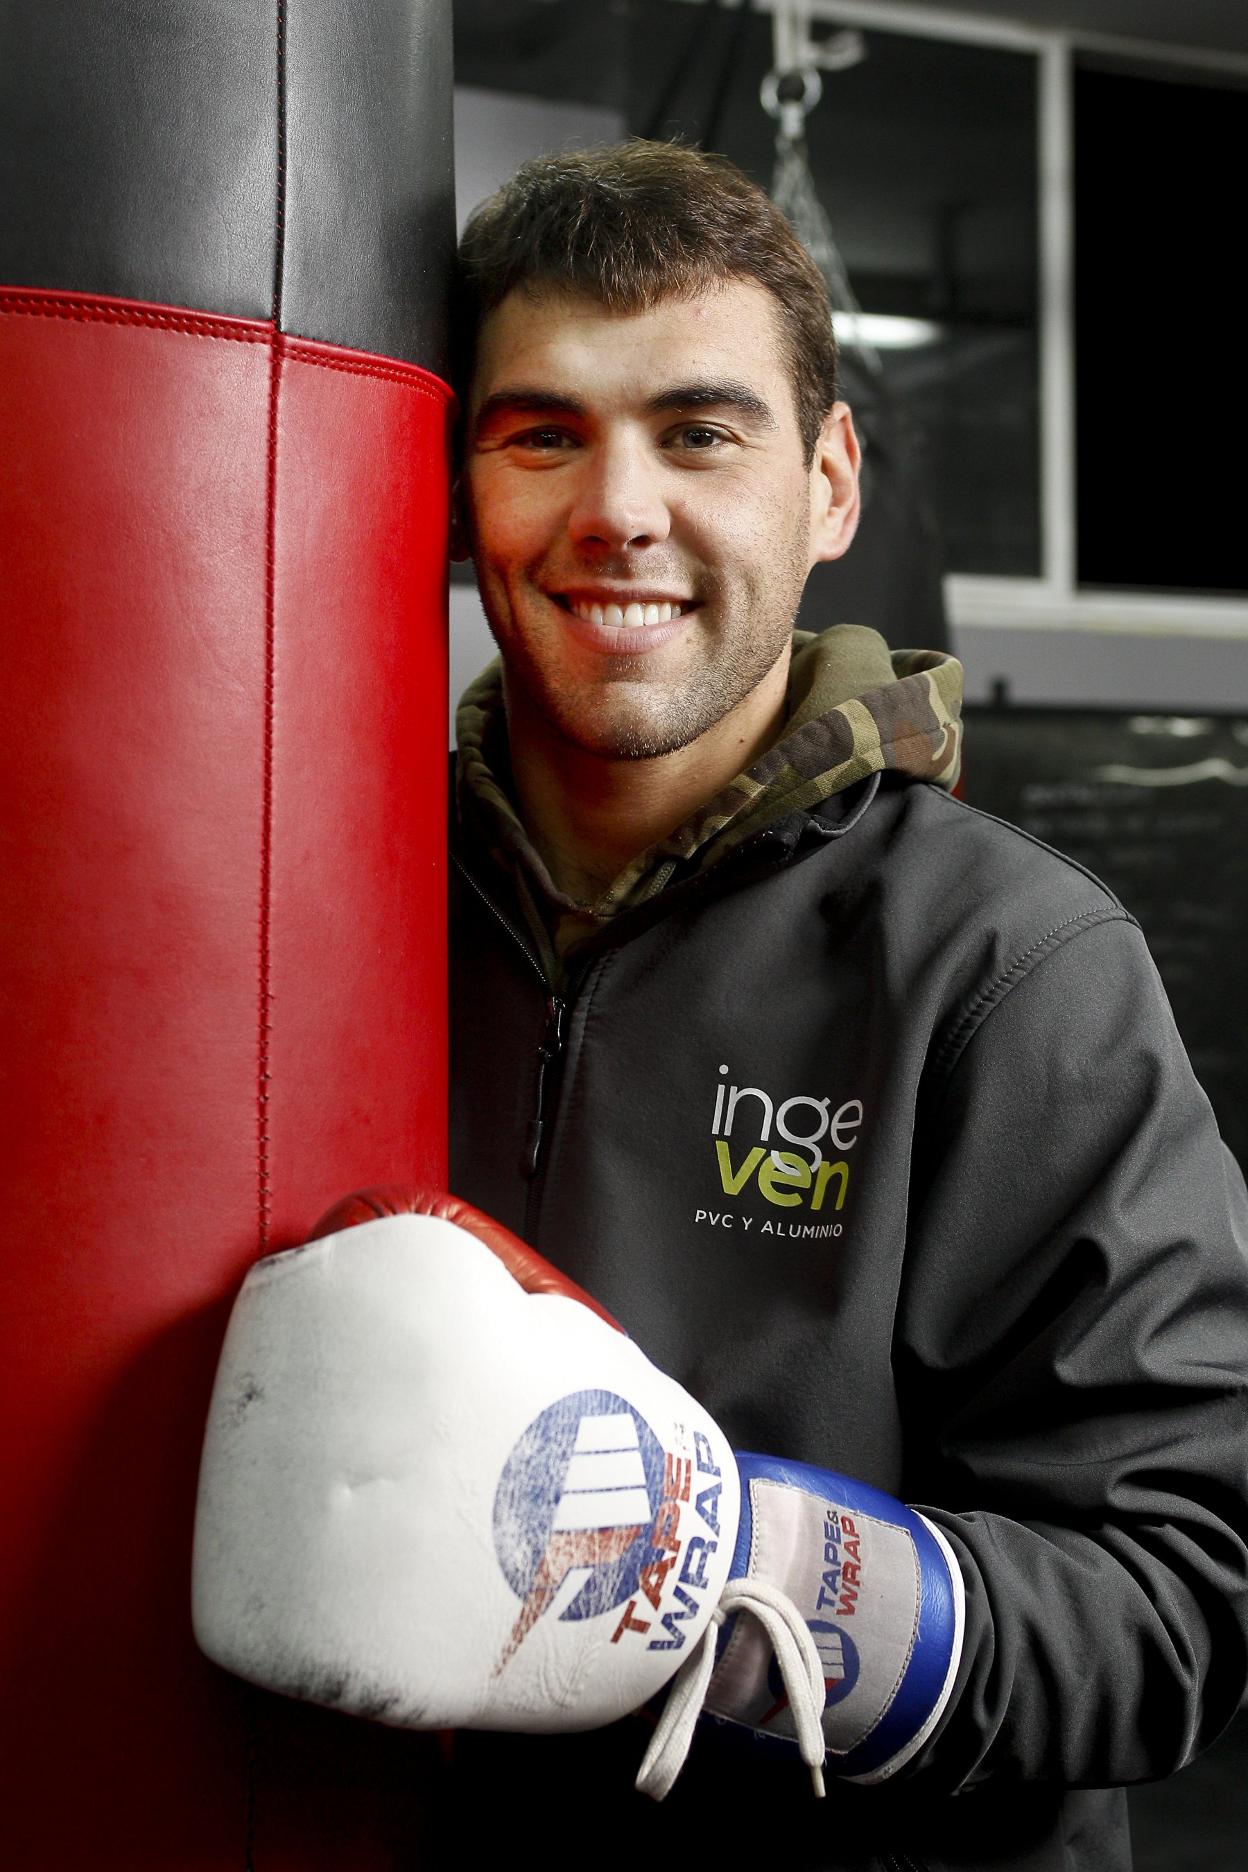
x=853, y=709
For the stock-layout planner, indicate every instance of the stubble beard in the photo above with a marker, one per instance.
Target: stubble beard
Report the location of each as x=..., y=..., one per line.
x=604, y=720
x=627, y=720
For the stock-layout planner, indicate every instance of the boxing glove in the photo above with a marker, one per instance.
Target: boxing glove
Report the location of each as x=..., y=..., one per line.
x=441, y=1488
x=434, y=1477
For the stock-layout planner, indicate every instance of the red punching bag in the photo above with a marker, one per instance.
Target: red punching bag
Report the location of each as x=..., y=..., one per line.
x=224, y=242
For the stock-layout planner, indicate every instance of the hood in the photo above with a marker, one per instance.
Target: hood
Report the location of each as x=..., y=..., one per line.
x=853, y=708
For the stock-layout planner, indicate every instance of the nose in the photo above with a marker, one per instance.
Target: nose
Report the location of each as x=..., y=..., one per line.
x=619, y=497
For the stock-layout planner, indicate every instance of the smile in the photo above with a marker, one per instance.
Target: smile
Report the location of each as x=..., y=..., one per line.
x=633, y=615
x=623, y=625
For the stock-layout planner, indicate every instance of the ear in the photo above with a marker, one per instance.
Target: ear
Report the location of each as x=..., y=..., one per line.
x=834, y=500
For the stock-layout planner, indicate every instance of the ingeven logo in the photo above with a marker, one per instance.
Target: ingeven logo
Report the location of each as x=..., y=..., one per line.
x=750, y=1132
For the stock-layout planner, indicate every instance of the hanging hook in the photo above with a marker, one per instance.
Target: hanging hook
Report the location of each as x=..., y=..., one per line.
x=793, y=87
x=842, y=51
x=795, y=48
x=790, y=97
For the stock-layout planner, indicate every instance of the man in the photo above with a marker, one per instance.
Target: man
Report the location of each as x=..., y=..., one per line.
x=863, y=1113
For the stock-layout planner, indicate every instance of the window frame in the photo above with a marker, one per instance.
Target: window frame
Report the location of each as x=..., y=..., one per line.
x=1054, y=600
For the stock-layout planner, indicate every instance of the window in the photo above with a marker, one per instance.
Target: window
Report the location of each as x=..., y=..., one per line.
x=1160, y=405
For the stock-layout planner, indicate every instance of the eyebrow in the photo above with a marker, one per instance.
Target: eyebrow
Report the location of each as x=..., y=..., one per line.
x=520, y=401
x=525, y=400
x=727, y=394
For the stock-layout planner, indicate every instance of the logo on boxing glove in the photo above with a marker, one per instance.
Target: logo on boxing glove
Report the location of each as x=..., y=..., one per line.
x=587, y=1517
x=839, y=1656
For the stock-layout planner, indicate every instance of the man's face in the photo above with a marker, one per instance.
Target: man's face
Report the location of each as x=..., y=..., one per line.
x=641, y=512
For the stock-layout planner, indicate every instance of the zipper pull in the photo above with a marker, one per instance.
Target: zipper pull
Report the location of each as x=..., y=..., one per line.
x=547, y=1053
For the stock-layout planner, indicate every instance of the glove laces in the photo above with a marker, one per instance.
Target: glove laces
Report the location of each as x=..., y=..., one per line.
x=801, y=1671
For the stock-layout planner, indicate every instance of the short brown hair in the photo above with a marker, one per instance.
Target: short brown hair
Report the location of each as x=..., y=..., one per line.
x=635, y=223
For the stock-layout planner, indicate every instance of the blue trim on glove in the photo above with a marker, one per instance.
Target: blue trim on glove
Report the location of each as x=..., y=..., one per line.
x=927, y=1669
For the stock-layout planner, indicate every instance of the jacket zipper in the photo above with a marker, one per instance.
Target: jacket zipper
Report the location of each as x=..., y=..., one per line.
x=506, y=922
x=549, y=1057
x=549, y=1051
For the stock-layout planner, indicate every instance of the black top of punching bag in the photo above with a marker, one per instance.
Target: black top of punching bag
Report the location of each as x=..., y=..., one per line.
x=289, y=162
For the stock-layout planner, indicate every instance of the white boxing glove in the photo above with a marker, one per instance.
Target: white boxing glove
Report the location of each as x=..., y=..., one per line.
x=435, y=1498
x=441, y=1488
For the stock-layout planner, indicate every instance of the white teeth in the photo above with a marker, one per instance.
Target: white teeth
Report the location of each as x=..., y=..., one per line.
x=629, y=617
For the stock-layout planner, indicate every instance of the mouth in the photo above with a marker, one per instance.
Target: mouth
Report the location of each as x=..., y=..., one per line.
x=622, y=612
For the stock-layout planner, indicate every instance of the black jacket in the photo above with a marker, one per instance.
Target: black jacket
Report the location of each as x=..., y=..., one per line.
x=1020, y=1301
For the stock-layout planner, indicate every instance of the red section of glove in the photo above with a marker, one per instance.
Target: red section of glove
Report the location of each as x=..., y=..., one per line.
x=534, y=1273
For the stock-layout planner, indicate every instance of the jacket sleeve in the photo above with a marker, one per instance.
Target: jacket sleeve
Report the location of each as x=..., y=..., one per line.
x=1073, y=1342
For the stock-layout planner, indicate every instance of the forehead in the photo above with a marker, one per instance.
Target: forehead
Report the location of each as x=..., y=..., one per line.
x=573, y=345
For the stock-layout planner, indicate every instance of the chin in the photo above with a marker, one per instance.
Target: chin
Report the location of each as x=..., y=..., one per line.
x=628, y=744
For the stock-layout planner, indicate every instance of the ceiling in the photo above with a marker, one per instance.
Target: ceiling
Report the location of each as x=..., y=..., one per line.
x=1206, y=25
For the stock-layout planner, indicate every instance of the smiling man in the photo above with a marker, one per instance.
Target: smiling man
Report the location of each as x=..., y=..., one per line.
x=862, y=1112
x=644, y=508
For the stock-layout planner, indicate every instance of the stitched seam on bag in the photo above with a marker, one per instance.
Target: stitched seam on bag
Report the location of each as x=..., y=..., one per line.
x=101, y=312
x=264, y=985
x=279, y=192
x=957, y=1040
x=412, y=375
x=203, y=325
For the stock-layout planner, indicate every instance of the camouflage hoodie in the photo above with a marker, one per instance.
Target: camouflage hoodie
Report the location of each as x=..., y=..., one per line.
x=853, y=709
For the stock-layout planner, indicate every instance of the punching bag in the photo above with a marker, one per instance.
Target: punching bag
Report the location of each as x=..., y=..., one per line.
x=225, y=236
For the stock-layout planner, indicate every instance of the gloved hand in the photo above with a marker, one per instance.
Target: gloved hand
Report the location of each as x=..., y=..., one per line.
x=441, y=1488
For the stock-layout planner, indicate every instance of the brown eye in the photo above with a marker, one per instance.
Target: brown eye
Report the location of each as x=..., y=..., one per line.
x=542, y=439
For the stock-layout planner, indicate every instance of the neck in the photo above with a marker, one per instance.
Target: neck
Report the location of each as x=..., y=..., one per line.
x=590, y=815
